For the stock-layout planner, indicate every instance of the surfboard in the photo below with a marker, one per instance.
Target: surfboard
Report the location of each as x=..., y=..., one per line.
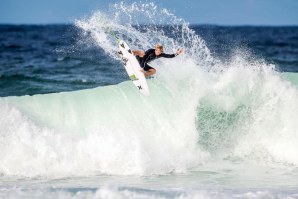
x=133, y=67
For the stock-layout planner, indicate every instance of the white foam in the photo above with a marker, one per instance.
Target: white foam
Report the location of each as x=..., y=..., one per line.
x=108, y=192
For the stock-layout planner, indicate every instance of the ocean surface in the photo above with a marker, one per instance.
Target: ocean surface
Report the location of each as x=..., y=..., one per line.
x=221, y=120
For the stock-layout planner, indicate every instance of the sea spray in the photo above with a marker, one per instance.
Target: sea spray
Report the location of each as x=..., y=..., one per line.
x=249, y=113
x=142, y=26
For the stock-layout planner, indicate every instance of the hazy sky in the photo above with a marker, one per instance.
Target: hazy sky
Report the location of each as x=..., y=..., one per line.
x=221, y=12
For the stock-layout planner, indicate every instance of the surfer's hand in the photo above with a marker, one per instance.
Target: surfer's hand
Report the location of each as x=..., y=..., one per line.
x=180, y=51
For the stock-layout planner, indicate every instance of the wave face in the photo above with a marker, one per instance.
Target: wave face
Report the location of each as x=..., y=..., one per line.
x=200, y=109
x=108, y=130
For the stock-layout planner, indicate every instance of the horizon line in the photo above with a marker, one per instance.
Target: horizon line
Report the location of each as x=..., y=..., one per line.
x=190, y=24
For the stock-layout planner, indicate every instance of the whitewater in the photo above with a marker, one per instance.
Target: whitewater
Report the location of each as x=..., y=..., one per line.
x=209, y=129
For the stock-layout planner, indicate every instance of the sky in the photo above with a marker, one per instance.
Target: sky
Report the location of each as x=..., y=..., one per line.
x=218, y=12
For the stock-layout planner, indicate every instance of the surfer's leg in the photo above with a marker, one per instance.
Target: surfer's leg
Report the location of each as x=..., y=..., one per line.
x=139, y=59
x=149, y=70
x=138, y=53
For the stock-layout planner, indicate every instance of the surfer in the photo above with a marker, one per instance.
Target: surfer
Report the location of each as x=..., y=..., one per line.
x=151, y=54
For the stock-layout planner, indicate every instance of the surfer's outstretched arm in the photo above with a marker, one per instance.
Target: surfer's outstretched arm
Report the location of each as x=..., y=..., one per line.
x=140, y=53
x=180, y=51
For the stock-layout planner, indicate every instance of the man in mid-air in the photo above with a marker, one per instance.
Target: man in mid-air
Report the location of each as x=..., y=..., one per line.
x=151, y=54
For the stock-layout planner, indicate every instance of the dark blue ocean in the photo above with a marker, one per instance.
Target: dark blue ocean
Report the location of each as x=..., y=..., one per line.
x=36, y=59
x=220, y=121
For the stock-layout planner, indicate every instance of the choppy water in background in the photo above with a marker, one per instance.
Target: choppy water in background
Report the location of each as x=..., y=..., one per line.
x=221, y=120
x=50, y=58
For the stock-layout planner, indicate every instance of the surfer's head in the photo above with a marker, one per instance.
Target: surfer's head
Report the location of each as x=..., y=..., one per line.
x=158, y=49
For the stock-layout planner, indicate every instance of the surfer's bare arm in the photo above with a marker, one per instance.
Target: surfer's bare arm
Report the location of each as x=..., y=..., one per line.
x=140, y=53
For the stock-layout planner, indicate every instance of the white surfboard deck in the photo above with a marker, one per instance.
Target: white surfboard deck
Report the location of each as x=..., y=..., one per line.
x=133, y=68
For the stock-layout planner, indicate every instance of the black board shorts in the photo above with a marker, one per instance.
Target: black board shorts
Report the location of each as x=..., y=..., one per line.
x=146, y=67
